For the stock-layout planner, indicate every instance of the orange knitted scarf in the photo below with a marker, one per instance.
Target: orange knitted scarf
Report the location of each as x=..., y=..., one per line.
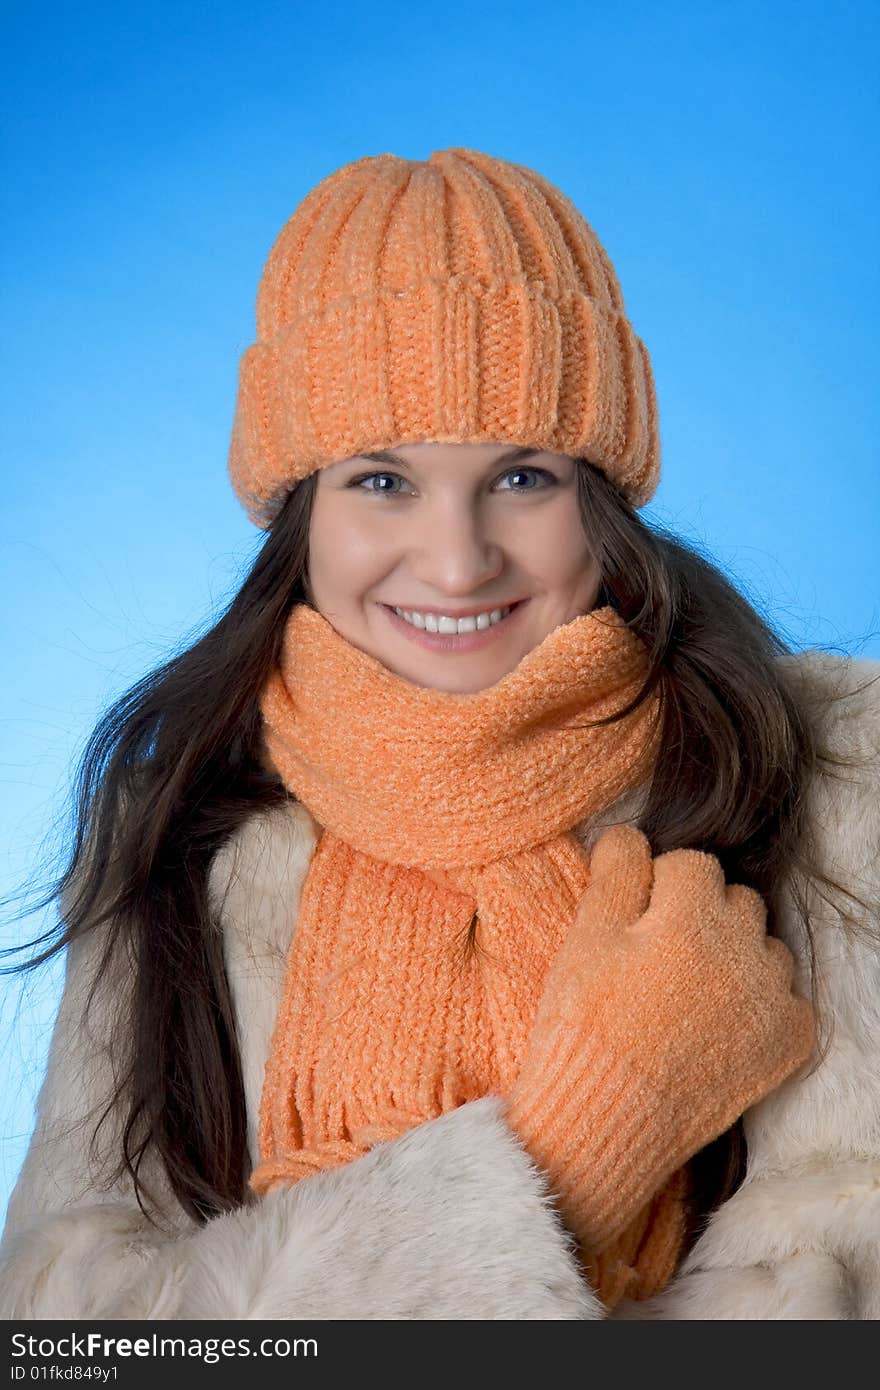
x=440, y=812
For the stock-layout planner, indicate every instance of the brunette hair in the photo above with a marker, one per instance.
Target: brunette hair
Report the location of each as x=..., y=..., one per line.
x=173, y=768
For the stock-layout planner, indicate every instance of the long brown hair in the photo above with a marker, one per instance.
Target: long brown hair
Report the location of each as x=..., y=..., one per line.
x=173, y=767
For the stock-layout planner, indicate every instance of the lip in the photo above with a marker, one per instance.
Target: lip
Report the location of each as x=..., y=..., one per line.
x=456, y=642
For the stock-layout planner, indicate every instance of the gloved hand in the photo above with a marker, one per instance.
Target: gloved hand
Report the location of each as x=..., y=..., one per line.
x=666, y=1013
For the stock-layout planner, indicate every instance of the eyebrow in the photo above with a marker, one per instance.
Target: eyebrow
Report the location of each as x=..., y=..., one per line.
x=514, y=455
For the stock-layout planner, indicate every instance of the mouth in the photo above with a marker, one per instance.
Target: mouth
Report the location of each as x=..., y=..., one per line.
x=456, y=641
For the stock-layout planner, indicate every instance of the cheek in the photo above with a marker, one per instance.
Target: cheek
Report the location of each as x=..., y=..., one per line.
x=557, y=550
x=344, y=556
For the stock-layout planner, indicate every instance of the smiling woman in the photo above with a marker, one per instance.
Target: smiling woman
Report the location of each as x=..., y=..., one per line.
x=523, y=972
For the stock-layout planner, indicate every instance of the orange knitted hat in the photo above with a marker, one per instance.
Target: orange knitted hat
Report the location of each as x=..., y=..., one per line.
x=461, y=298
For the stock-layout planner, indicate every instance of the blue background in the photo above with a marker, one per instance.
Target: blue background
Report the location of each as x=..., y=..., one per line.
x=724, y=153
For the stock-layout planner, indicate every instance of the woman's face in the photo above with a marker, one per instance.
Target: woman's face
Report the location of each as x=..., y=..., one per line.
x=441, y=528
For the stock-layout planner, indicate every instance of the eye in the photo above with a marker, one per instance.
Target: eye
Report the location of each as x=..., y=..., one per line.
x=543, y=473
x=536, y=472
x=368, y=478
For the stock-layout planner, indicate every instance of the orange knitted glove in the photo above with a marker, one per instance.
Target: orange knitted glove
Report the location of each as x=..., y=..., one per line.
x=666, y=1013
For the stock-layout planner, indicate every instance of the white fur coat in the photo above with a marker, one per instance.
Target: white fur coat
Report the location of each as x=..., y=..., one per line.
x=453, y=1220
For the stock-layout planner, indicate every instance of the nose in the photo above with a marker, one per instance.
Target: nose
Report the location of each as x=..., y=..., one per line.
x=454, y=554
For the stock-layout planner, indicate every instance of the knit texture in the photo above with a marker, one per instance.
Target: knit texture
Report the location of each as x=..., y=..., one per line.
x=459, y=298
x=672, y=1007
x=438, y=810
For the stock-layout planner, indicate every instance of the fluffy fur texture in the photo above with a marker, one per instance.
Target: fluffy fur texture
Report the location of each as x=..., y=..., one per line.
x=453, y=1220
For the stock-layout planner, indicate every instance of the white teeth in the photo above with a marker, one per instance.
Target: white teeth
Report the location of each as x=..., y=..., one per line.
x=430, y=622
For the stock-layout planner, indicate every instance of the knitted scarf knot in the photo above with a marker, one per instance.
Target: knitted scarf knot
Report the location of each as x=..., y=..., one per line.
x=448, y=822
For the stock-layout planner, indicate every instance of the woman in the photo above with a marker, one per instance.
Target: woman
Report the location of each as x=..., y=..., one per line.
x=442, y=922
